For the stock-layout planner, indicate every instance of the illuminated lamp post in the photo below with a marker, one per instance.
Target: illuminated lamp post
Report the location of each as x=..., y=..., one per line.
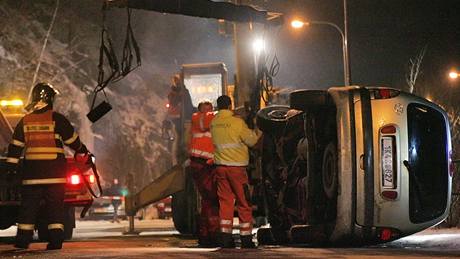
x=298, y=24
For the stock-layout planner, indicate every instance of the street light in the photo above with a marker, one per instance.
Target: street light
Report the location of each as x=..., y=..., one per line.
x=297, y=24
x=454, y=75
x=258, y=46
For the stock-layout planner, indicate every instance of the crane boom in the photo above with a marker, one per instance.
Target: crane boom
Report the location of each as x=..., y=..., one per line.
x=203, y=8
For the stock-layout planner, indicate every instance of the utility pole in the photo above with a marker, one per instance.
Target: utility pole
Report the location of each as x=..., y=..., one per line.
x=245, y=64
x=347, y=71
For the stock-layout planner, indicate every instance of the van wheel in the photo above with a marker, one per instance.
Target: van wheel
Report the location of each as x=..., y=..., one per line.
x=272, y=119
x=329, y=171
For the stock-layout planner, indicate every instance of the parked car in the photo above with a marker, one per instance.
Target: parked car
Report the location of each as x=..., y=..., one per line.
x=102, y=208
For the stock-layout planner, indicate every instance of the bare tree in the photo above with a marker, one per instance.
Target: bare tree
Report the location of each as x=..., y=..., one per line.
x=414, y=70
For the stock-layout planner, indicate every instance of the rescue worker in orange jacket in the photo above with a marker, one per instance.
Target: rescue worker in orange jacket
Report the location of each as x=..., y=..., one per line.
x=232, y=137
x=203, y=172
x=40, y=135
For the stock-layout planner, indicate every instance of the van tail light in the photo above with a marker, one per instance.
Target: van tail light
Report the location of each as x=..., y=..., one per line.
x=91, y=178
x=391, y=195
x=387, y=234
x=168, y=105
x=390, y=129
x=75, y=179
x=385, y=93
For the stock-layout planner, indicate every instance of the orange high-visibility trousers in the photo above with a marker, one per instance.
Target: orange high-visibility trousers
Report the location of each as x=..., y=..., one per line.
x=204, y=177
x=232, y=185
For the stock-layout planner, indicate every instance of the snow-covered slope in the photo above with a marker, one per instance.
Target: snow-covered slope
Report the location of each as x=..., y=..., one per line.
x=126, y=140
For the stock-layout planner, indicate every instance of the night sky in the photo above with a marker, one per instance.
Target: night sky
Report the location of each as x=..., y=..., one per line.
x=383, y=36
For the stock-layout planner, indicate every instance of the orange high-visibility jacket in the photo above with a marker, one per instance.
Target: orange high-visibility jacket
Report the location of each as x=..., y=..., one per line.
x=40, y=137
x=201, y=141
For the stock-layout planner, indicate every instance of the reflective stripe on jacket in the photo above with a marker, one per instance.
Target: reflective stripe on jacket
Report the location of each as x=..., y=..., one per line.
x=231, y=137
x=201, y=141
x=40, y=137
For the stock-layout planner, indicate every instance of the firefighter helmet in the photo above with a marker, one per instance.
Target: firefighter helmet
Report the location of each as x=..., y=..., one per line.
x=42, y=95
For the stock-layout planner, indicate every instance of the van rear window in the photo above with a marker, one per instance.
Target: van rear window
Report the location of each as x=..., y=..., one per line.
x=428, y=162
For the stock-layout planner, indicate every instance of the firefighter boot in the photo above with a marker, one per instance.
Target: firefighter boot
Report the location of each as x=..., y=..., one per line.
x=227, y=240
x=56, y=237
x=23, y=238
x=246, y=242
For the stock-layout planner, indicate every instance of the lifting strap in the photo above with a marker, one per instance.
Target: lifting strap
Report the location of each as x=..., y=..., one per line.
x=130, y=44
x=96, y=176
x=118, y=70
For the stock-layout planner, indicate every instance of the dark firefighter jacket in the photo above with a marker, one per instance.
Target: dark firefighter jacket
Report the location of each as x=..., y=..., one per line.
x=41, y=136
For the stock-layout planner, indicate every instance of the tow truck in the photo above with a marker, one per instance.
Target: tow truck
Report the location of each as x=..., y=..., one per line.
x=76, y=194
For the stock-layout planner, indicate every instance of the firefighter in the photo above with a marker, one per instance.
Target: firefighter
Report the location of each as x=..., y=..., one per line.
x=232, y=137
x=41, y=135
x=180, y=109
x=179, y=98
x=201, y=164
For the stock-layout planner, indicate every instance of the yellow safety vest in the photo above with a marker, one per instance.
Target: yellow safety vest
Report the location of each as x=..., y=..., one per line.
x=231, y=138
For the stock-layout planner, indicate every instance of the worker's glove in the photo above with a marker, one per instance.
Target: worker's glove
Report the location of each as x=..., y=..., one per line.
x=83, y=158
x=10, y=168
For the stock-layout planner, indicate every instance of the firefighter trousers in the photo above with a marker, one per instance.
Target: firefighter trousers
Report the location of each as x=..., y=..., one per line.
x=232, y=185
x=32, y=197
x=204, y=177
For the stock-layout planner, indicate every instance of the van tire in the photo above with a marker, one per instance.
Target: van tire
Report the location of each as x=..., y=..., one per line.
x=329, y=171
x=270, y=119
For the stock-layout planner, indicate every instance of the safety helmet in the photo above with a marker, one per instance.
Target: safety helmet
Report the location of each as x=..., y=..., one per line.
x=42, y=95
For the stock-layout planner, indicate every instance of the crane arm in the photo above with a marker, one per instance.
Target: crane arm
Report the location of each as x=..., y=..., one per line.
x=203, y=8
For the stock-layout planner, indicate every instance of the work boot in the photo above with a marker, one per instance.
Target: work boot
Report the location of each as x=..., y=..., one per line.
x=23, y=238
x=21, y=245
x=207, y=242
x=246, y=242
x=227, y=240
x=56, y=237
x=54, y=246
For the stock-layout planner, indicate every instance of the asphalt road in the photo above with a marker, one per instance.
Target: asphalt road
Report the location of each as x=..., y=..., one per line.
x=158, y=239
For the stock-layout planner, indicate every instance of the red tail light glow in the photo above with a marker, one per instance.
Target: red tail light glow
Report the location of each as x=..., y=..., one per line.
x=167, y=105
x=385, y=235
x=385, y=93
x=75, y=179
